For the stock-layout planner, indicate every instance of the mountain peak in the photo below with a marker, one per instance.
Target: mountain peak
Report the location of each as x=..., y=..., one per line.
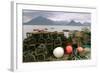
x=40, y=17
x=40, y=20
x=72, y=21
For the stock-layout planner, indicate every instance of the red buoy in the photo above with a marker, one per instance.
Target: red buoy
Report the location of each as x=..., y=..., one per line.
x=69, y=49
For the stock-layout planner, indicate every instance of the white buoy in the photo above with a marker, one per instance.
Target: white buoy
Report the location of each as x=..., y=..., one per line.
x=58, y=52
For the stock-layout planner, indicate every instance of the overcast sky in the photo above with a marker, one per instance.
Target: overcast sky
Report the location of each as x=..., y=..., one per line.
x=56, y=16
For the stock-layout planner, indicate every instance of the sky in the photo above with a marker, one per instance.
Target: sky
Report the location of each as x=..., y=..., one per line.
x=56, y=16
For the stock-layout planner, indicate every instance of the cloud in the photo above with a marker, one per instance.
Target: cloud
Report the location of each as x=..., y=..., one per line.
x=56, y=15
x=71, y=16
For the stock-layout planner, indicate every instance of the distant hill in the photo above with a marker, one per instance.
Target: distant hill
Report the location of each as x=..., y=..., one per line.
x=45, y=21
x=71, y=23
x=40, y=21
x=87, y=24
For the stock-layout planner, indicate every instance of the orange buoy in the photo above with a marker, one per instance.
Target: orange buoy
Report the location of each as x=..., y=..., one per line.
x=80, y=49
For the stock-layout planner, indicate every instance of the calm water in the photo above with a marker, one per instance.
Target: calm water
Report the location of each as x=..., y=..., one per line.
x=29, y=28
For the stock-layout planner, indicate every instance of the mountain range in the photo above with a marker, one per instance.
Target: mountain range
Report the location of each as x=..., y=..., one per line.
x=45, y=21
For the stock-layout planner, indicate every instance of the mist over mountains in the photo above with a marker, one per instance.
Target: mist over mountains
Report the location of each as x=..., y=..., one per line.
x=40, y=20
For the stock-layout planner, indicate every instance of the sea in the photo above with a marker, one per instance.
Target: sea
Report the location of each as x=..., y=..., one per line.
x=59, y=28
